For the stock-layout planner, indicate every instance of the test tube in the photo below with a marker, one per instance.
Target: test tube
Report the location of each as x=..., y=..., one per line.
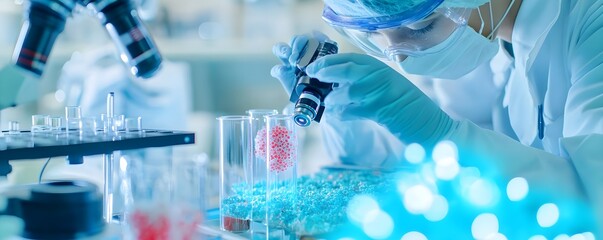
x=13, y=127
x=119, y=122
x=133, y=124
x=236, y=156
x=281, y=177
x=88, y=126
x=56, y=123
x=40, y=123
x=258, y=133
x=73, y=117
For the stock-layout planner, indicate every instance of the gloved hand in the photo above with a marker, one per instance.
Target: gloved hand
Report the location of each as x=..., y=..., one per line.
x=288, y=54
x=360, y=142
x=369, y=89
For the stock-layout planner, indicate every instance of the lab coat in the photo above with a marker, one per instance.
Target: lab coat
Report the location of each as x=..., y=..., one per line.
x=557, y=63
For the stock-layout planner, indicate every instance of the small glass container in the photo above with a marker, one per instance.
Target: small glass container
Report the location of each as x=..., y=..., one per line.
x=13, y=128
x=40, y=123
x=56, y=123
x=162, y=195
x=133, y=124
x=73, y=117
x=236, y=156
x=258, y=133
x=88, y=126
x=281, y=177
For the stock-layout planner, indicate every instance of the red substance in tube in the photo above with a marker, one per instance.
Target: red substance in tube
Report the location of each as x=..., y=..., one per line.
x=260, y=144
x=282, y=149
x=235, y=224
x=158, y=226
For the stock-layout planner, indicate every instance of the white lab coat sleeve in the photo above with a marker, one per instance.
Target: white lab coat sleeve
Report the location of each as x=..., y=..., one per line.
x=584, y=105
x=583, y=121
x=498, y=155
x=361, y=142
x=587, y=156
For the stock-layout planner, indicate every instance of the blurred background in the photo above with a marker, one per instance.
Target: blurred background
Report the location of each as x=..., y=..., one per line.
x=225, y=47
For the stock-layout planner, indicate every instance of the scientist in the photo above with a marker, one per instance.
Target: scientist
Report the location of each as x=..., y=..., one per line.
x=547, y=113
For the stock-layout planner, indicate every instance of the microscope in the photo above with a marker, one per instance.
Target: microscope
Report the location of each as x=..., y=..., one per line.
x=45, y=20
x=309, y=93
x=70, y=209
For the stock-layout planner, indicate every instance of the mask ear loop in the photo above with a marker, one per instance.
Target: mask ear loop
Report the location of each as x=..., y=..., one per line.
x=501, y=20
x=481, y=18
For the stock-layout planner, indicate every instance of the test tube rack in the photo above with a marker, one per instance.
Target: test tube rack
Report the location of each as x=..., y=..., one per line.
x=33, y=145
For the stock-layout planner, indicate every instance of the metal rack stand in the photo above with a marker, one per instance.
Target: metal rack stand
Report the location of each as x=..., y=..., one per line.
x=73, y=145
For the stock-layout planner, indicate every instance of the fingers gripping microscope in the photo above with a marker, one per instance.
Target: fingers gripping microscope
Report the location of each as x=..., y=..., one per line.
x=45, y=20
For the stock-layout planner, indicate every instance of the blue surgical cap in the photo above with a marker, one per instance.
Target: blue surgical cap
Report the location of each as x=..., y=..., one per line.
x=377, y=8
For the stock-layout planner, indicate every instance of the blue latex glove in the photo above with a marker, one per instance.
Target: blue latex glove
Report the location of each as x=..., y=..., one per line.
x=360, y=142
x=288, y=54
x=369, y=89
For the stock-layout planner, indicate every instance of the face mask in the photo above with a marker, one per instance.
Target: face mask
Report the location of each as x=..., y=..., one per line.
x=457, y=56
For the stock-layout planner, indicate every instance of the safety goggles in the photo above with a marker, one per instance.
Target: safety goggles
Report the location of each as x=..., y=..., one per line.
x=407, y=33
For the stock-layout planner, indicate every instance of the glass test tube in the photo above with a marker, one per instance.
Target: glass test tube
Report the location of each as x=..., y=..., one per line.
x=258, y=133
x=40, y=123
x=162, y=195
x=56, y=123
x=281, y=178
x=119, y=122
x=13, y=127
x=133, y=124
x=88, y=126
x=236, y=156
x=73, y=117
x=188, y=178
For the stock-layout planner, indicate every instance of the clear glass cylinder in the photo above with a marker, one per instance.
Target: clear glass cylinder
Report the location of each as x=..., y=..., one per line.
x=161, y=195
x=88, y=126
x=258, y=133
x=40, y=123
x=13, y=127
x=189, y=176
x=56, y=124
x=133, y=124
x=73, y=117
x=236, y=156
x=119, y=122
x=145, y=185
x=281, y=177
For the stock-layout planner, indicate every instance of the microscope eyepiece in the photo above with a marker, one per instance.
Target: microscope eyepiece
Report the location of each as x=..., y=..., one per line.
x=131, y=37
x=45, y=20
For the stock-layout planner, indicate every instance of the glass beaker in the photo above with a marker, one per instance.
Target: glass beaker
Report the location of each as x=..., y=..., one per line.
x=236, y=155
x=88, y=126
x=281, y=177
x=73, y=117
x=133, y=124
x=13, y=127
x=40, y=123
x=162, y=195
x=258, y=133
x=56, y=124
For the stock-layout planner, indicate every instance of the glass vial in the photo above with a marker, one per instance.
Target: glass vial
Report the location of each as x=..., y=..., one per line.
x=258, y=133
x=40, y=123
x=236, y=155
x=133, y=124
x=73, y=117
x=281, y=177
